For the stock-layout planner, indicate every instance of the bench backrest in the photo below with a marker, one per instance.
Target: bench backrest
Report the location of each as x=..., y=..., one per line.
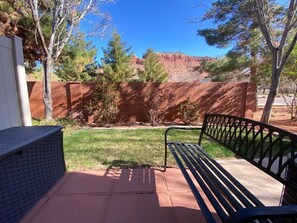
x=271, y=149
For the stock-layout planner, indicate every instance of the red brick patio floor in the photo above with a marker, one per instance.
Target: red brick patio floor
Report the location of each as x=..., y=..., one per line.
x=128, y=195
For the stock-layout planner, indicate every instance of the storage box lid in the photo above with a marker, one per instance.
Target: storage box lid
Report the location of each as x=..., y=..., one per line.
x=16, y=138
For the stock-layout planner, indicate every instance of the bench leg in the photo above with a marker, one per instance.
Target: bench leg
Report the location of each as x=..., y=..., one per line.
x=165, y=159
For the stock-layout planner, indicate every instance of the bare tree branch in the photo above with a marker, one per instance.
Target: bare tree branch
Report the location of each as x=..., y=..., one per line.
x=259, y=6
x=65, y=16
x=34, y=9
x=280, y=50
x=290, y=16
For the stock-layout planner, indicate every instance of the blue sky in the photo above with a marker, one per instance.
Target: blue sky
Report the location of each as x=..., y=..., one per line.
x=163, y=25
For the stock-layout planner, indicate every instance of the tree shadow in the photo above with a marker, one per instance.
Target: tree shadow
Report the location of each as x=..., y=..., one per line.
x=124, y=164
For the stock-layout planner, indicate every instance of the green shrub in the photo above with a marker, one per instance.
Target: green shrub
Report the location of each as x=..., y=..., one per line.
x=155, y=104
x=189, y=112
x=103, y=104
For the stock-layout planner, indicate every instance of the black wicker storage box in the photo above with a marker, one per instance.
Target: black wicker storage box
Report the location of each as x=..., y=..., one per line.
x=31, y=162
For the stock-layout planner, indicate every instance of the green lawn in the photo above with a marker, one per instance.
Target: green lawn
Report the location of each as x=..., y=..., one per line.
x=92, y=149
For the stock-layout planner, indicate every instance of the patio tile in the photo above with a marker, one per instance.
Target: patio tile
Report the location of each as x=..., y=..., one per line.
x=175, y=181
x=139, y=180
x=54, y=189
x=88, y=182
x=265, y=188
x=34, y=210
x=128, y=195
x=44, y=199
x=186, y=208
x=136, y=208
x=74, y=209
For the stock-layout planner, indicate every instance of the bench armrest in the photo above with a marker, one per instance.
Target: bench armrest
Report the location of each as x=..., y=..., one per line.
x=270, y=212
x=179, y=128
x=166, y=141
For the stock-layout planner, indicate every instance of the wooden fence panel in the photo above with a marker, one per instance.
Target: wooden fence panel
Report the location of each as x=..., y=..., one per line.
x=225, y=98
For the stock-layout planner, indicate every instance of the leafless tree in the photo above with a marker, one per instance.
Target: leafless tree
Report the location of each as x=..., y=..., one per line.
x=279, y=43
x=65, y=16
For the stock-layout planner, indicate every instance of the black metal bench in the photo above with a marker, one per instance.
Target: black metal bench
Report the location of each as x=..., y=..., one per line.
x=271, y=149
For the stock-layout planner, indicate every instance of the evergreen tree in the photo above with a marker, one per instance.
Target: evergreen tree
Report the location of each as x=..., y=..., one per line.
x=239, y=23
x=153, y=69
x=280, y=34
x=15, y=19
x=290, y=68
x=46, y=28
x=227, y=68
x=117, y=60
x=76, y=62
x=64, y=19
x=77, y=58
x=236, y=27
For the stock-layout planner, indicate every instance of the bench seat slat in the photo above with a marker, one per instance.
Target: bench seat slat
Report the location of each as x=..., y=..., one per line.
x=230, y=190
x=214, y=184
x=224, y=201
x=180, y=153
x=210, y=183
x=233, y=186
x=207, y=214
x=271, y=149
x=215, y=197
x=235, y=182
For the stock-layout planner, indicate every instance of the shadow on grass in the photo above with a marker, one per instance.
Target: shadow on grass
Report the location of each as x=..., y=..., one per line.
x=125, y=164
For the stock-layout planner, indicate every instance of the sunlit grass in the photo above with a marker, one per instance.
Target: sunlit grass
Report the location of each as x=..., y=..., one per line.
x=93, y=149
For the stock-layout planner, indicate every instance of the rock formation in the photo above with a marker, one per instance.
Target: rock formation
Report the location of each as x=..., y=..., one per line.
x=180, y=67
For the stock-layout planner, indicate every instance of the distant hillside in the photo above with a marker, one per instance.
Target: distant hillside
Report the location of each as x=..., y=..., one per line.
x=180, y=67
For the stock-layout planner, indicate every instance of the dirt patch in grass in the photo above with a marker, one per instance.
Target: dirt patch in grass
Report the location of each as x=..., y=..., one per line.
x=279, y=117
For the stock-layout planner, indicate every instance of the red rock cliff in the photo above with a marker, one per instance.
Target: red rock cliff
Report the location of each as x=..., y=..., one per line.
x=180, y=67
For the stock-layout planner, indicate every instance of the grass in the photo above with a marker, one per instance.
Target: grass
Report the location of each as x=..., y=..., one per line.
x=92, y=149
x=63, y=121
